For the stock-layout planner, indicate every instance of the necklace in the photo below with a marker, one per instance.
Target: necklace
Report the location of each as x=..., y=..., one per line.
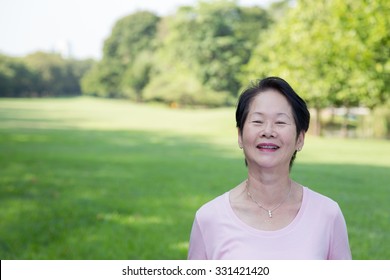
x=265, y=209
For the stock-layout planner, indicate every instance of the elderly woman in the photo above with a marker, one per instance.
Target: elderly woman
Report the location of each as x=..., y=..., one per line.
x=268, y=215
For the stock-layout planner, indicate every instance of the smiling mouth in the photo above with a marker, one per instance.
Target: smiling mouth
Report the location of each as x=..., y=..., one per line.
x=267, y=147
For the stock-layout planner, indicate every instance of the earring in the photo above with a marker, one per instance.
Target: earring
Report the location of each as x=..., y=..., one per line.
x=299, y=149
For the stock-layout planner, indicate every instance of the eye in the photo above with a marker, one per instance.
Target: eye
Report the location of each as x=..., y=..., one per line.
x=281, y=122
x=257, y=122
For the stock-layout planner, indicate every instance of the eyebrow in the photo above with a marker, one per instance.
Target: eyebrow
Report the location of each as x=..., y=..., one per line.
x=277, y=114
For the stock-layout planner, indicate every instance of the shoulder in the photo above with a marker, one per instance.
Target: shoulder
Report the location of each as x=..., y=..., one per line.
x=213, y=208
x=322, y=203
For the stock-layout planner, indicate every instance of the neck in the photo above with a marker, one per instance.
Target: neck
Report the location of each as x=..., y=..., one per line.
x=269, y=210
x=269, y=188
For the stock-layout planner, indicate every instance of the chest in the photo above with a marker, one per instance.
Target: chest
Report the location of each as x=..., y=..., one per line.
x=234, y=243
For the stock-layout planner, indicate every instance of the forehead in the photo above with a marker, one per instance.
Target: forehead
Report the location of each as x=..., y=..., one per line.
x=270, y=102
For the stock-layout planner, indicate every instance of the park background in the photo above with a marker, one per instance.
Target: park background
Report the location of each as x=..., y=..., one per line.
x=109, y=158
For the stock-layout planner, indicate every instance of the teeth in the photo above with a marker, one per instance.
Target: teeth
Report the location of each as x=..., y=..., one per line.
x=268, y=147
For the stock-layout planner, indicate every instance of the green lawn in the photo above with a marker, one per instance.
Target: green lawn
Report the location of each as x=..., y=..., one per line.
x=86, y=178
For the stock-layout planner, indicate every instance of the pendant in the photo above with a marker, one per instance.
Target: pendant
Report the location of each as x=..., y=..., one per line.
x=270, y=213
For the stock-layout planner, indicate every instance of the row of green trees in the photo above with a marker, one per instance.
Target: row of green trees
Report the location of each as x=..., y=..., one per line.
x=335, y=53
x=41, y=74
x=192, y=57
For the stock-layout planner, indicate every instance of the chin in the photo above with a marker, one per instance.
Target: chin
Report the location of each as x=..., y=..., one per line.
x=269, y=164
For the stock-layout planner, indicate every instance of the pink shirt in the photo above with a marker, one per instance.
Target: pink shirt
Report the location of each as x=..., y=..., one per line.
x=317, y=232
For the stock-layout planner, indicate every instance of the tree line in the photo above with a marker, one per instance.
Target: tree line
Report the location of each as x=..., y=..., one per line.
x=192, y=57
x=334, y=53
x=41, y=75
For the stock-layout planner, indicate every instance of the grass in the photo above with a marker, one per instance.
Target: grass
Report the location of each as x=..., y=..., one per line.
x=103, y=179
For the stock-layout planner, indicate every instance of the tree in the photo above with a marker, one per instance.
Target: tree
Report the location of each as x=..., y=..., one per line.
x=136, y=77
x=41, y=74
x=54, y=75
x=16, y=79
x=330, y=52
x=49, y=69
x=207, y=43
x=117, y=74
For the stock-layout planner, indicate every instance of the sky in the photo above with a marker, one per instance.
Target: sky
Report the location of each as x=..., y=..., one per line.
x=74, y=28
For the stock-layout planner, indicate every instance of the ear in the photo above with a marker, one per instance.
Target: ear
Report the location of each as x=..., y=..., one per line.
x=300, y=141
x=239, y=138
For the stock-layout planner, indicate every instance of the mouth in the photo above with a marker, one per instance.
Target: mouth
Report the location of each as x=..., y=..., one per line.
x=268, y=147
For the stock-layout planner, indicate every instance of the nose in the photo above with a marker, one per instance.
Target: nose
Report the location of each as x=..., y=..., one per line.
x=268, y=130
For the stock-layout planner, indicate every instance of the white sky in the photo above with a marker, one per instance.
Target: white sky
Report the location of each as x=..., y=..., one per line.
x=27, y=26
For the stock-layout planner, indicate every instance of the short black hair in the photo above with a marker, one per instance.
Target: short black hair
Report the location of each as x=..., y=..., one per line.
x=299, y=109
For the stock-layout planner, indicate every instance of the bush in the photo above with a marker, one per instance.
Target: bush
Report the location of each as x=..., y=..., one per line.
x=183, y=89
x=381, y=122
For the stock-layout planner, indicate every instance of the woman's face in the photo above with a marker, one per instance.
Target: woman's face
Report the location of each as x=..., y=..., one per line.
x=269, y=135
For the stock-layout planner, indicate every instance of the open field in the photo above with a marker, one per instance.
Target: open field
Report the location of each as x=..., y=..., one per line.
x=86, y=178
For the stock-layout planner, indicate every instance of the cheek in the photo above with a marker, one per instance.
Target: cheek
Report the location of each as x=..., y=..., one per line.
x=289, y=136
x=249, y=135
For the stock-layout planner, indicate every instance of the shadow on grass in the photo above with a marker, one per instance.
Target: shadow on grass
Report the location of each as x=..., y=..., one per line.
x=363, y=194
x=104, y=195
x=69, y=194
